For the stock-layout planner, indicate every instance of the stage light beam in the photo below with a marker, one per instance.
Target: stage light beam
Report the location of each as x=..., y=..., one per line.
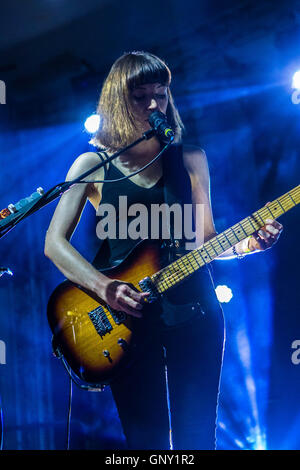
x=296, y=80
x=92, y=123
x=224, y=294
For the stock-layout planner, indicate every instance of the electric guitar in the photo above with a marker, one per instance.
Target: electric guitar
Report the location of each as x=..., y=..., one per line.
x=95, y=341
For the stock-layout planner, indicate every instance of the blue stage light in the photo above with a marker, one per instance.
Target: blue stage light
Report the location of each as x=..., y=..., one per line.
x=92, y=123
x=5, y=271
x=296, y=80
x=224, y=294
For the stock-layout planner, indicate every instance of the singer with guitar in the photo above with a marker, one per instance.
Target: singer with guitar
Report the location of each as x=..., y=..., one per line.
x=182, y=332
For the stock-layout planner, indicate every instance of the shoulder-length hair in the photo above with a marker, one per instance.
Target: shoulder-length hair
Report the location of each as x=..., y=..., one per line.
x=117, y=123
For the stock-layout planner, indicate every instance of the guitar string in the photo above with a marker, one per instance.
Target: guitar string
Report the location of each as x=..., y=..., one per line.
x=173, y=276
x=192, y=261
x=189, y=263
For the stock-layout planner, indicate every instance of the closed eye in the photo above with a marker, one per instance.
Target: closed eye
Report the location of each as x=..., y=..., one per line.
x=159, y=97
x=139, y=98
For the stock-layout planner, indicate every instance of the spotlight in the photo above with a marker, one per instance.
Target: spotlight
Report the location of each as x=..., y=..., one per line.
x=5, y=271
x=224, y=294
x=296, y=80
x=92, y=123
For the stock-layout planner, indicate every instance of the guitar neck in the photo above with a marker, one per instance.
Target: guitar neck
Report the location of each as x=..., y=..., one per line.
x=188, y=264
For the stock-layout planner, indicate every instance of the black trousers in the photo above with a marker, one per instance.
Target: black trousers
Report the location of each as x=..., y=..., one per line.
x=190, y=357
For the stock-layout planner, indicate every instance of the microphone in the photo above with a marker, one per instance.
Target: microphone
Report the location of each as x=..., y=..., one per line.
x=158, y=121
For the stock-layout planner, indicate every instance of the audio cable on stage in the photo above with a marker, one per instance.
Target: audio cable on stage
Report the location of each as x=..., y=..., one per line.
x=69, y=414
x=1, y=424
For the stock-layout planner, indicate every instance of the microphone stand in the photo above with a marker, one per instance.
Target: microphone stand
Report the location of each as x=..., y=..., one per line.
x=9, y=222
x=41, y=200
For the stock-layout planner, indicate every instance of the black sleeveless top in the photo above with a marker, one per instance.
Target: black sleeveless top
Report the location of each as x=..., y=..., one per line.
x=121, y=196
x=173, y=187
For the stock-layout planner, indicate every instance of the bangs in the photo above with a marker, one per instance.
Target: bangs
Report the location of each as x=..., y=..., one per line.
x=130, y=71
x=145, y=68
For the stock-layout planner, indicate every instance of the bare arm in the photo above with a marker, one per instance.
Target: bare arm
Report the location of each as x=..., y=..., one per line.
x=196, y=165
x=67, y=259
x=64, y=221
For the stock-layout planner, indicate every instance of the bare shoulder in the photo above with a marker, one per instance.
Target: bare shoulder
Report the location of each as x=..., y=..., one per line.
x=194, y=158
x=83, y=162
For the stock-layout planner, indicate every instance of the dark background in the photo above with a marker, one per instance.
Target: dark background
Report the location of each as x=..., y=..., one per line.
x=232, y=65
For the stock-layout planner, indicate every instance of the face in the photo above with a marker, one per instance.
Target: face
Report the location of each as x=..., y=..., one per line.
x=148, y=98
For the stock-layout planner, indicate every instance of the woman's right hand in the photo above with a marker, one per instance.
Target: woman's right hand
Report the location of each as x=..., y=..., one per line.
x=122, y=296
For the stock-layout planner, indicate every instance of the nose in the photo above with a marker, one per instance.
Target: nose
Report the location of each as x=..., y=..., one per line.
x=153, y=105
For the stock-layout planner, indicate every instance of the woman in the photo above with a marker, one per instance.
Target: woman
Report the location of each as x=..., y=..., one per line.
x=186, y=330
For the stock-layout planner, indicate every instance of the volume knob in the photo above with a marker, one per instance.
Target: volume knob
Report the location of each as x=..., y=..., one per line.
x=123, y=343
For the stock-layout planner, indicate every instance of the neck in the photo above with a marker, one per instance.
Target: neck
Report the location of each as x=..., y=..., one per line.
x=140, y=154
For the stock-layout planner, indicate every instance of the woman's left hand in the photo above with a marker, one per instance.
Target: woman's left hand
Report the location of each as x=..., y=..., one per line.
x=266, y=237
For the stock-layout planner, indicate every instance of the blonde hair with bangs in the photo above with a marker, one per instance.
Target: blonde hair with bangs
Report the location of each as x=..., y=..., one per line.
x=118, y=127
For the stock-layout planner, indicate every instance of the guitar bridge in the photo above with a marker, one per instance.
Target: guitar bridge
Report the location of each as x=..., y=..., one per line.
x=100, y=321
x=147, y=286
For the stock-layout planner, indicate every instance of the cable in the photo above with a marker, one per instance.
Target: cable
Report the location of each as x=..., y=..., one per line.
x=135, y=172
x=31, y=208
x=1, y=424
x=69, y=414
x=168, y=399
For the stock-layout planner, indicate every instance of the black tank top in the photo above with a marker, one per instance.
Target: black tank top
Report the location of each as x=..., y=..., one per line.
x=121, y=196
x=174, y=186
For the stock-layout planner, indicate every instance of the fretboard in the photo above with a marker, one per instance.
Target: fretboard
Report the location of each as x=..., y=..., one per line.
x=188, y=264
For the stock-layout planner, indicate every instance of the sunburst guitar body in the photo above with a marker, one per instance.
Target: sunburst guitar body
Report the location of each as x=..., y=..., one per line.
x=94, y=340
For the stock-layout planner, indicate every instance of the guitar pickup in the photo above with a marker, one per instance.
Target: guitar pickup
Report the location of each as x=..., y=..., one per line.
x=119, y=317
